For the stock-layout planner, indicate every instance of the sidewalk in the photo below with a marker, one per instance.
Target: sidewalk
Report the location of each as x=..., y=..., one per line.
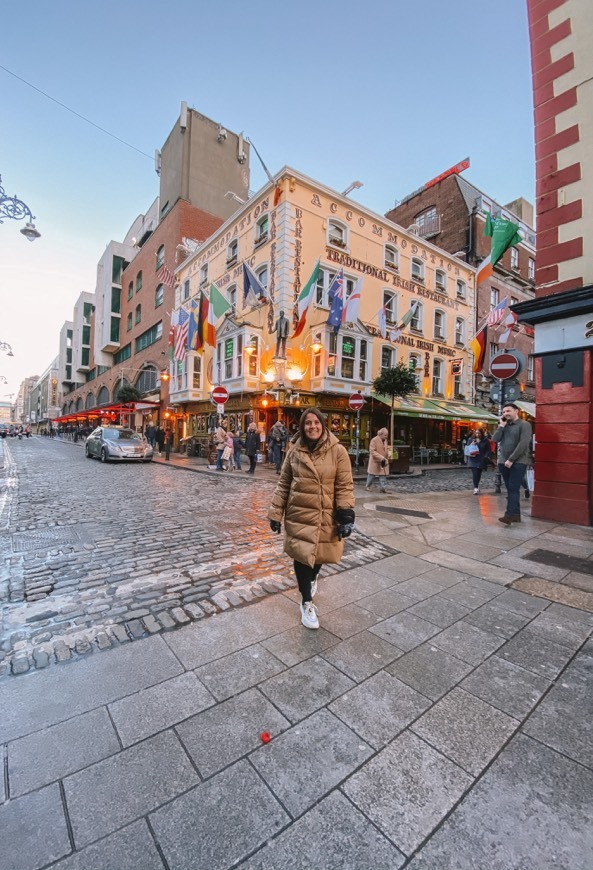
x=440, y=719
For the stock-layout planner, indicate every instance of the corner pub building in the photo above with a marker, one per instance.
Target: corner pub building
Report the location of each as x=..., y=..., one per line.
x=280, y=234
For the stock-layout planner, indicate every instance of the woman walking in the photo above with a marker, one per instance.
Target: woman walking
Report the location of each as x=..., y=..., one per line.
x=315, y=498
x=251, y=446
x=378, y=466
x=478, y=458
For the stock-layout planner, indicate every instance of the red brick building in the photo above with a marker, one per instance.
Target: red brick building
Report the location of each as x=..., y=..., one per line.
x=561, y=36
x=452, y=214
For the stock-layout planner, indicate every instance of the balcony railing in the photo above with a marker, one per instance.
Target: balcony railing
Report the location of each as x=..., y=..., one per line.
x=429, y=227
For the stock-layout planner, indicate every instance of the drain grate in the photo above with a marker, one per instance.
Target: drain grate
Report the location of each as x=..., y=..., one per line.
x=386, y=509
x=561, y=560
x=42, y=539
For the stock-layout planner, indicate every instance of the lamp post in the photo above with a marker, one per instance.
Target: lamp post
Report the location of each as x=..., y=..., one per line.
x=15, y=209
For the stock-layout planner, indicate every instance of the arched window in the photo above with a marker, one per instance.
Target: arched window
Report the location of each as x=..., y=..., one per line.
x=439, y=324
x=71, y=408
x=79, y=404
x=232, y=252
x=416, y=323
x=232, y=297
x=129, y=321
x=130, y=289
x=103, y=396
x=160, y=257
x=391, y=257
x=138, y=317
x=159, y=295
x=90, y=401
x=437, y=377
x=415, y=365
x=390, y=305
x=337, y=234
x=262, y=229
x=138, y=282
x=262, y=275
x=121, y=382
x=440, y=280
x=461, y=289
x=417, y=270
x=146, y=382
x=459, y=331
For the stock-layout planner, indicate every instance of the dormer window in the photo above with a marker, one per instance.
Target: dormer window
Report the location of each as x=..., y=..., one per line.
x=337, y=234
x=262, y=229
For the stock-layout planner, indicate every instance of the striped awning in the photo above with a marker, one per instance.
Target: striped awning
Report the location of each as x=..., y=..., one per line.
x=437, y=409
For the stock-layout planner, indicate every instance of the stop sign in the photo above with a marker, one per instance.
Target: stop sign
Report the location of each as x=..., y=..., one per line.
x=503, y=366
x=355, y=402
x=220, y=395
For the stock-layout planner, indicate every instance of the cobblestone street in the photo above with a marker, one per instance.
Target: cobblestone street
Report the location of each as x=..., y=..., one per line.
x=97, y=554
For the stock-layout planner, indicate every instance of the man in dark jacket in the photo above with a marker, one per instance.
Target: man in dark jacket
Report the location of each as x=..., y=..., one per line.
x=513, y=437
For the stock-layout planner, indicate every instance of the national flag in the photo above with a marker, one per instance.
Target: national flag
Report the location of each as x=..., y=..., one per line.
x=383, y=321
x=251, y=284
x=304, y=300
x=165, y=276
x=193, y=324
x=478, y=348
x=171, y=342
x=485, y=270
x=335, y=295
x=209, y=334
x=497, y=313
x=277, y=194
x=181, y=335
x=505, y=234
x=202, y=319
x=219, y=304
x=409, y=315
x=509, y=322
x=352, y=306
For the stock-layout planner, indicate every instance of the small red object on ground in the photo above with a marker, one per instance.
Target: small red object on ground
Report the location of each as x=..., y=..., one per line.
x=265, y=737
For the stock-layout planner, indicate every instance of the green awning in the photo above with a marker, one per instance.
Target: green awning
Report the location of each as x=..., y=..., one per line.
x=437, y=409
x=465, y=411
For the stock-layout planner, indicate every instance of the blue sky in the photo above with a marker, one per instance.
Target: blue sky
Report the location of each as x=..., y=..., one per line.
x=387, y=92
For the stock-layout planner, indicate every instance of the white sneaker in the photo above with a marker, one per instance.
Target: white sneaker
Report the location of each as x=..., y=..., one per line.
x=476, y=491
x=309, y=615
x=314, y=588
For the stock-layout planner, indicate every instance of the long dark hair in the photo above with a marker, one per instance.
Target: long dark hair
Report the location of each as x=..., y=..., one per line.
x=481, y=433
x=319, y=416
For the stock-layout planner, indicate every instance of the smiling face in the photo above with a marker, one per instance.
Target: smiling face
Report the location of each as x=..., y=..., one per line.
x=313, y=427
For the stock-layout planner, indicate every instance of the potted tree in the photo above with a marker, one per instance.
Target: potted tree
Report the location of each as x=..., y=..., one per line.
x=396, y=382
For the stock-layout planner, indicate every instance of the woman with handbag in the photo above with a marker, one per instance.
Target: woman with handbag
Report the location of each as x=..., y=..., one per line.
x=478, y=451
x=378, y=466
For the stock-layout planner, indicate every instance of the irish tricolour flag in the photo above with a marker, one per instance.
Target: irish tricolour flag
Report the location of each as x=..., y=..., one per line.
x=304, y=300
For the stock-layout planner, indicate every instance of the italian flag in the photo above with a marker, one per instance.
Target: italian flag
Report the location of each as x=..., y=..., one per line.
x=304, y=300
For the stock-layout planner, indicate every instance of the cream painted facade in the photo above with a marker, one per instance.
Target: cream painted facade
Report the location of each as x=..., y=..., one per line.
x=282, y=244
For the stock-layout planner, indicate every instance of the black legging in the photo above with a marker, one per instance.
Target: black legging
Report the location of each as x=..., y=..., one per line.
x=305, y=576
x=477, y=476
x=252, y=462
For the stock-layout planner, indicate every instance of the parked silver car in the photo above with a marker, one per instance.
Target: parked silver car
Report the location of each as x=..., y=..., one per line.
x=109, y=443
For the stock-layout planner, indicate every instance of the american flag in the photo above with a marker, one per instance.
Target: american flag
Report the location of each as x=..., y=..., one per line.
x=181, y=335
x=497, y=313
x=165, y=276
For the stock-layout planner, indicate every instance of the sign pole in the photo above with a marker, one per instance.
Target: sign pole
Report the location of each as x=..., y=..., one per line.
x=501, y=404
x=358, y=440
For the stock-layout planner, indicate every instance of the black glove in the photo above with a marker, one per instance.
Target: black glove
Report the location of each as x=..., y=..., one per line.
x=344, y=516
x=345, y=530
x=383, y=463
x=276, y=526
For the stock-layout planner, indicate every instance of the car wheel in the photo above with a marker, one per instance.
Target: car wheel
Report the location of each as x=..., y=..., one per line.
x=87, y=453
x=104, y=455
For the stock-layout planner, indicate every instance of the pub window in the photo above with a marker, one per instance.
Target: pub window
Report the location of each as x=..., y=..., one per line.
x=239, y=356
x=391, y=257
x=262, y=276
x=197, y=371
x=232, y=294
x=416, y=321
x=457, y=387
x=417, y=270
x=262, y=229
x=229, y=352
x=440, y=279
x=390, y=305
x=387, y=357
x=160, y=257
x=252, y=367
x=333, y=352
x=437, y=377
x=232, y=252
x=459, y=330
x=348, y=356
x=461, y=289
x=337, y=234
x=439, y=324
x=415, y=365
x=362, y=359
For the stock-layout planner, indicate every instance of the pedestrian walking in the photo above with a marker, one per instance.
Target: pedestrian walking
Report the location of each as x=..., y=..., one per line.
x=378, y=466
x=513, y=437
x=478, y=456
x=251, y=447
x=238, y=446
x=277, y=443
x=227, y=453
x=315, y=499
x=150, y=433
x=159, y=437
x=219, y=444
x=168, y=443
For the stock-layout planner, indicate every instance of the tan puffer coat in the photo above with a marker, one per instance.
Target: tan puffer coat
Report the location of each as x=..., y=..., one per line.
x=311, y=487
x=379, y=450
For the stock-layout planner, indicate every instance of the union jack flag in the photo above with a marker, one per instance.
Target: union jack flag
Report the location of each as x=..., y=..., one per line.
x=181, y=335
x=497, y=313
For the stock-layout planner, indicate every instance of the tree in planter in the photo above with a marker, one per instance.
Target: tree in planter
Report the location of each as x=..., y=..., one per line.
x=397, y=383
x=127, y=394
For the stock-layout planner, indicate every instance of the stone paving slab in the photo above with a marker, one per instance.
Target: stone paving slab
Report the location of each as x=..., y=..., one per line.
x=223, y=734
x=429, y=670
x=306, y=687
x=159, y=707
x=533, y=652
x=33, y=830
x=220, y=822
x=132, y=848
x=440, y=611
x=386, y=603
x=297, y=644
x=46, y=698
x=485, y=570
x=331, y=751
x=405, y=630
x=481, y=552
x=519, y=602
x=239, y=671
x=559, y=630
x=548, y=794
x=55, y=752
x=124, y=788
x=331, y=836
x=466, y=729
x=362, y=655
x=496, y=620
x=407, y=789
x=467, y=642
x=467, y=595
x=506, y=686
x=400, y=567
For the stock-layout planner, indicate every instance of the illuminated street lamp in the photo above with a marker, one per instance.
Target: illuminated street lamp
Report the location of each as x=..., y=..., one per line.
x=16, y=209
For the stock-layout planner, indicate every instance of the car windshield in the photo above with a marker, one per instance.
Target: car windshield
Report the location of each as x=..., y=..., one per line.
x=121, y=435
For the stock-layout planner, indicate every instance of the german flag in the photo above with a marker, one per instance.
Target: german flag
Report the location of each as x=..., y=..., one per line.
x=478, y=347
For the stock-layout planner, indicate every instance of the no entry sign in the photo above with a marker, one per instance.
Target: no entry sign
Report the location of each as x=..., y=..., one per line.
x=220, y=395
x=355, y=401
x=503, y=366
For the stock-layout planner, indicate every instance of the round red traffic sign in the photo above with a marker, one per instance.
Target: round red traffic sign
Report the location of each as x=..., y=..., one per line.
x=356, y=401
x=504, y=366
x=220, y=395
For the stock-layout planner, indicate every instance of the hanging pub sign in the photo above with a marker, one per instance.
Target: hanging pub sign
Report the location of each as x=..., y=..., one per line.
x=456, y=366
